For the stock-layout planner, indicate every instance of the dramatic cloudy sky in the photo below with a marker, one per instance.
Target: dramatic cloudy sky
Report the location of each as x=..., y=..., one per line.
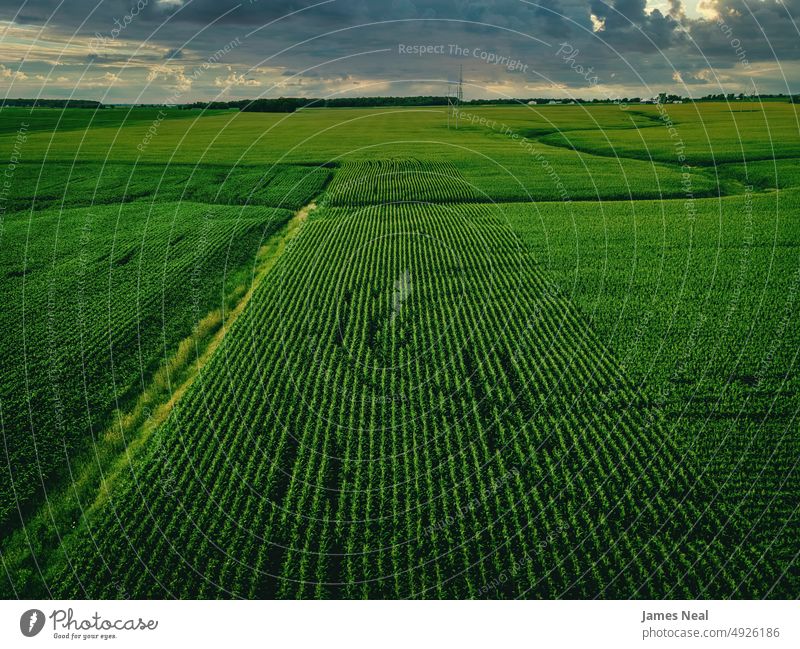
x=183, y=50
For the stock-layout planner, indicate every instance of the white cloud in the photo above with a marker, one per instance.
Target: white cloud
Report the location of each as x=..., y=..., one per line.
x=102, y=81
x=176, y=73
x=707, y=75
x=707, y=9
x=8, y=73
x=234, y=79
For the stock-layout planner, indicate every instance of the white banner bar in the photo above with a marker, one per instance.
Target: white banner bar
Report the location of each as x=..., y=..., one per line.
x=400, y=624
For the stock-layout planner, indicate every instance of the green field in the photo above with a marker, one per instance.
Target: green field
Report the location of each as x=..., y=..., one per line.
x=353, y=353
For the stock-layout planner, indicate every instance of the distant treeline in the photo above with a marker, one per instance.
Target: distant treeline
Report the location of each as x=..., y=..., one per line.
x=291, y=104
x=52, y=103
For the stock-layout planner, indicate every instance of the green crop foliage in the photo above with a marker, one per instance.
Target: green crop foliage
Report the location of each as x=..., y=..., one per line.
x=85, y=320
x=466, y=436
x=40, y=185
x=551, y=353
x=766, y=174
x=392, y=181
x=700, y=311
x=712, y=134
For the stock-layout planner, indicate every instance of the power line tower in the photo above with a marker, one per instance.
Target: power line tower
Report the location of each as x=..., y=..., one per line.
x=454, y=98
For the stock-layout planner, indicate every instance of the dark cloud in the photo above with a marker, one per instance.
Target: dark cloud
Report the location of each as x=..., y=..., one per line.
x=634, y=45
x=765, y=29
x=629, y=27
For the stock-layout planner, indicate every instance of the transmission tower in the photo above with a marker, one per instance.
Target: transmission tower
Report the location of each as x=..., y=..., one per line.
x=454, y=99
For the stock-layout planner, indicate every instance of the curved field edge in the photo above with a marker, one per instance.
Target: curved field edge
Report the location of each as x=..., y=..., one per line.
x=732, y=136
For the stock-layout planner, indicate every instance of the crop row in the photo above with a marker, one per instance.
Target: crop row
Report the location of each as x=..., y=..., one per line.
x=700, y=311
x=392, y=180
x=409, y=409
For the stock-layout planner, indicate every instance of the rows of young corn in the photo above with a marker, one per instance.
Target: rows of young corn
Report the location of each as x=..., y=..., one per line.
x=393, y=180
x=409, y=409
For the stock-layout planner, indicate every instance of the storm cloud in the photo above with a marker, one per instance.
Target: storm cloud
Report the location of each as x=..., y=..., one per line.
x=221, y=48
